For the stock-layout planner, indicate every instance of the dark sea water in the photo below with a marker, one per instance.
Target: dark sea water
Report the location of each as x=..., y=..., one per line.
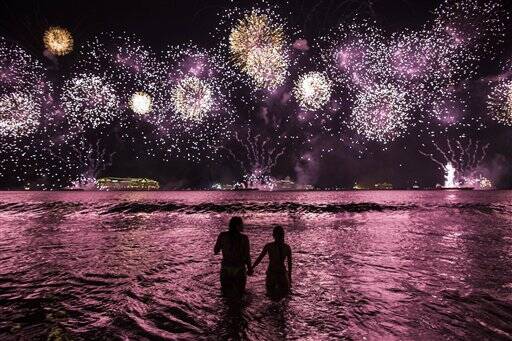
x=367, y=265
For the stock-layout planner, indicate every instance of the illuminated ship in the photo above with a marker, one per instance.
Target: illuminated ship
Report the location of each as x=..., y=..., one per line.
x=127, y=184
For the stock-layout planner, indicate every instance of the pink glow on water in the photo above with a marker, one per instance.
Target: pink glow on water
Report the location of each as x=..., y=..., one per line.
x=366, y=264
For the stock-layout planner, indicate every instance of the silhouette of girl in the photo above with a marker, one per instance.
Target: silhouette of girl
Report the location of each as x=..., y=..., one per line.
x=279, y=279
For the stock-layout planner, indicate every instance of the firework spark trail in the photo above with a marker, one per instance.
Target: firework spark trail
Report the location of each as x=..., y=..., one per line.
x=244, y=145
x=93, y=160
x=477, y=143
x=431, y=157
x=258, y=160
x=462, y=153
x=465, y=160
x=484, y=154
x=452, y=154
x=276, y=158
x=250, y=155
x=233, y=156
x=87, y=159
x=252, y=147
x=465, y=151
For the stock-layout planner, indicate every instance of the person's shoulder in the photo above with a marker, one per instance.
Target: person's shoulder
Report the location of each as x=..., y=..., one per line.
x=244, y=237
x=223, y=234
x=288, y=247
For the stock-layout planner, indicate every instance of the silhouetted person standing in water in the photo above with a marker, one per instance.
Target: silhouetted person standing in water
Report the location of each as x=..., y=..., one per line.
x=278, y=279
x=236, y=256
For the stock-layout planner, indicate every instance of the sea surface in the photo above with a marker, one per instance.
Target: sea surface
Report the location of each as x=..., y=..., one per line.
x=408, y=265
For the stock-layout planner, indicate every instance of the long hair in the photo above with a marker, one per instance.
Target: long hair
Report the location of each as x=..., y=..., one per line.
x=278, y=234
x=234, y=232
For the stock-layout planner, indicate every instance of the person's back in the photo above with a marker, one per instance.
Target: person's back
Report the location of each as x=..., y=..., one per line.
x=279, y=277
x=235, y=257
x=234, y=247
x=277, y=254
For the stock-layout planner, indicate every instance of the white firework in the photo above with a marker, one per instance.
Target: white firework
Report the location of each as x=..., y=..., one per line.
x=193, y=98
x=500, y=103
x=129, y=65
x=267, y=67
x=18, y=69
x=141, y=103
x=89, y=101
x=381, y=113
x=313, y=90
x=19, y=114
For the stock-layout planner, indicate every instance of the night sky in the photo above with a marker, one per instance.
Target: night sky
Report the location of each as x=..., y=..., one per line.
x=163, y=23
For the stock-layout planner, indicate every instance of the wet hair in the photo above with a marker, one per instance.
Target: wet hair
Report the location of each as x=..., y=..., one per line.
x=278, y=234
x=234, y=223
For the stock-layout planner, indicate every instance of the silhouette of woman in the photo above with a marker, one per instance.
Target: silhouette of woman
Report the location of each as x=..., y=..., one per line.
x=236, y=255
x=279, y=279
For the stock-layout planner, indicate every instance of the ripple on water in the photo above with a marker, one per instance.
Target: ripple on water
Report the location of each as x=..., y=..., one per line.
x=393, y=265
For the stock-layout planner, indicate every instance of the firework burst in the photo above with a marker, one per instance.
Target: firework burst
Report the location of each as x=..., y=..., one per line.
x=313, y=90
x=354, y=54
x=499, y=103
x=58, y=41
x=259, y=48
x=19, y=114
x=192, y=98
x=128, y=65
x=18, y=69
x=468, y=27
x=267, y=67
x=123, y=57
x=253, y=32
x=199, y=84
x=196, y=109
x=141, y=103
x=428, y=65
x=24, y=91
x=382, y=113
x=89, y=101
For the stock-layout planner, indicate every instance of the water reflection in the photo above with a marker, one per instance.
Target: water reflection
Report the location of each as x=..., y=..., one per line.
x=419, y=265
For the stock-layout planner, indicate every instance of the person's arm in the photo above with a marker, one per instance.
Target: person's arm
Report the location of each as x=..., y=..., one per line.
x=218, y=244
x=260, y=257
x=248, y=256
x=290, y=264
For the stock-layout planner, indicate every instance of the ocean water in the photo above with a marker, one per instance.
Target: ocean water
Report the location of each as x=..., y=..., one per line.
x=367, y=265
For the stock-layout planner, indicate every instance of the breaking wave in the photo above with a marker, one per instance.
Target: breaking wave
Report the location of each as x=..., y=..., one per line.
x=236, y=207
